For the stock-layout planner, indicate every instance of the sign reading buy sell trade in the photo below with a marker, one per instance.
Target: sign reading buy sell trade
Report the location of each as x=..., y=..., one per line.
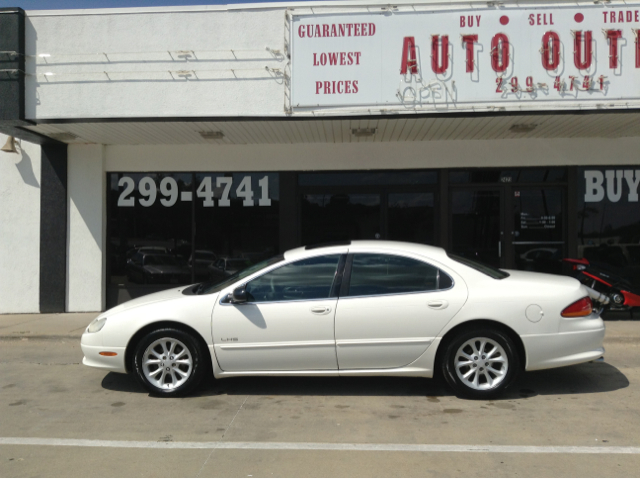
x=554, y=57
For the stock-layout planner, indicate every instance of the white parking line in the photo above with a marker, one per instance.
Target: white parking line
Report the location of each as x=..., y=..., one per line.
x=319, y=446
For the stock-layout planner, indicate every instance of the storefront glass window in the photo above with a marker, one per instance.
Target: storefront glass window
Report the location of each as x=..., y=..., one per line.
x=609, y=219
x=178, y=228
x=424, y=177
x=513, y=175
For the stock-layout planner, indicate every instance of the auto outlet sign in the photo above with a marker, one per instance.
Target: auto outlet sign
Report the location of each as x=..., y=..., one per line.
x=496, y=58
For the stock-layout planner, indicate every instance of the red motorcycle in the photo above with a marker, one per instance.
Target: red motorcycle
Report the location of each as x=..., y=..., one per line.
x=608, y=289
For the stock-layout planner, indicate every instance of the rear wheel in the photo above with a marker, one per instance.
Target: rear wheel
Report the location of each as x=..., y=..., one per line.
x=169, y=362
x=480, y=363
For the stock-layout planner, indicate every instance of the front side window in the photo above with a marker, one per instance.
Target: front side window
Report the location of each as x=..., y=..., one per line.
x=307, y=279
x=377, y=274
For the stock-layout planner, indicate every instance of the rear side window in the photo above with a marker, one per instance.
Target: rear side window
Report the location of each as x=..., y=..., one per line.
x=495, y=273
x=376, y=274
x=309, y=278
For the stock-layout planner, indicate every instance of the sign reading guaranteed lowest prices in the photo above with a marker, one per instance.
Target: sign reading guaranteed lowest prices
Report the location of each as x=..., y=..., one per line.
x=462, y=59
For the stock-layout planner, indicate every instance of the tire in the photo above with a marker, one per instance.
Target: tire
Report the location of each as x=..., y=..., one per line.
x=466, y=350
x=162, y=376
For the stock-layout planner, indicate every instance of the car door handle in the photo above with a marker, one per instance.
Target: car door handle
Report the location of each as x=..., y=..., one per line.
x=320, y=309
x=438, y=304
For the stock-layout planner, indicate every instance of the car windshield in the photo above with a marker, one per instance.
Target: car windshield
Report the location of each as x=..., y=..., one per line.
x=160, y=260
x=495, y=273
x=214, y=287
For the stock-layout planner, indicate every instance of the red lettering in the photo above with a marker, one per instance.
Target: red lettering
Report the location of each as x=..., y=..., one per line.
x=499, y=83
x=539, y=18
x=316, y=32
x=582, y=56
x=333, y=58
x=318, y=86
x=550, y=51
x=343, y=58
x=349, y=58
x=605, y=16
x=347, y=88
x=409, y=60
x=327, y=88
x=637, y=51
x=301, y=31
x=629, y=16
x=355, y=86
x=531, y=20
x=612, y=17
x=637, y=16
x=363, y=30
x=478, y=19
x=357, y=29
x=499, y=52
x=333, y=31
x=551, y=19
x=323, y=59
x=349, y=28
x=315, y=60
x=470, y=20
x=613, y=36
x=357, y=54
x=325, y=30
x=620, y=17
x=334, y=87
x=439, y=56
x=341, y=29
x=340, y=85
x=468, y=41
x=462, y=22
x=372, y=29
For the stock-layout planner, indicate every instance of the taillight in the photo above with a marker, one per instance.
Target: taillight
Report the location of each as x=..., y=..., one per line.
x=582, y=307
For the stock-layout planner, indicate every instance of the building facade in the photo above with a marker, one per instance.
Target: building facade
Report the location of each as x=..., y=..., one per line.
x=165, y=146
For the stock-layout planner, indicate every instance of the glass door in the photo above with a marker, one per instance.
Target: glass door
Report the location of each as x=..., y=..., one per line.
x=477, y=224
x=538, y=236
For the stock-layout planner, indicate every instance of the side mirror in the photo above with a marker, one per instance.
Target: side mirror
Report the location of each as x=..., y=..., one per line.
x=239, y=295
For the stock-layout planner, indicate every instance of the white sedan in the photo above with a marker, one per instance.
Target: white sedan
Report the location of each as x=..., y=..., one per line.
x=361, y=308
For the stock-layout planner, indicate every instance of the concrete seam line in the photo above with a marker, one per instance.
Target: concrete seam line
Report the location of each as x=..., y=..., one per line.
x=318, y=446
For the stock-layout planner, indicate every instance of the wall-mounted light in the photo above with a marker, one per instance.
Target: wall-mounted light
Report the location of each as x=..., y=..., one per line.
x=363, y=132
x=522, y=127
x=10, y=145
x=211, y=135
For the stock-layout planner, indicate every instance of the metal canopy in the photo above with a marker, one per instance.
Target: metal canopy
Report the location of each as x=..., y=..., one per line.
x=344, y=130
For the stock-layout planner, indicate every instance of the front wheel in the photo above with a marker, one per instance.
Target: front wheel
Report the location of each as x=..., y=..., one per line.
x=480, y=363
x=169, y=362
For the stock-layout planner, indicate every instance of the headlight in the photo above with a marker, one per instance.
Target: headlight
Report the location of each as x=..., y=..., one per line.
x=96, y=325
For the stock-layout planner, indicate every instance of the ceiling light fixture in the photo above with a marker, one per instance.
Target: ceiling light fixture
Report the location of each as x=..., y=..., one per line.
x=10, y=145
x=523, y=127
x=211, y=135
x=363, y=132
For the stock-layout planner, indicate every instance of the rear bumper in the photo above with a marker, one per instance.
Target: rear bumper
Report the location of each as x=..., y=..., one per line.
x=545, y=351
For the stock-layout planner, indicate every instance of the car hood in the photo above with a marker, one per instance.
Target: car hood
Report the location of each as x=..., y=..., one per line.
x=148, y=299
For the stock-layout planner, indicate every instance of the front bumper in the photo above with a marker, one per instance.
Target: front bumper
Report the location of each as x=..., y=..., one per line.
x=91, y=344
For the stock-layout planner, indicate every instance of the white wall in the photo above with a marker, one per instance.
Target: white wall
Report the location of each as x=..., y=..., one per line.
x=86, y=228
x=20, y=229
x=323, y=156
x=137, y=62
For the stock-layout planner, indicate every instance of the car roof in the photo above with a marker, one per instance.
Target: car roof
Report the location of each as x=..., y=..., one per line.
x=362, y=246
